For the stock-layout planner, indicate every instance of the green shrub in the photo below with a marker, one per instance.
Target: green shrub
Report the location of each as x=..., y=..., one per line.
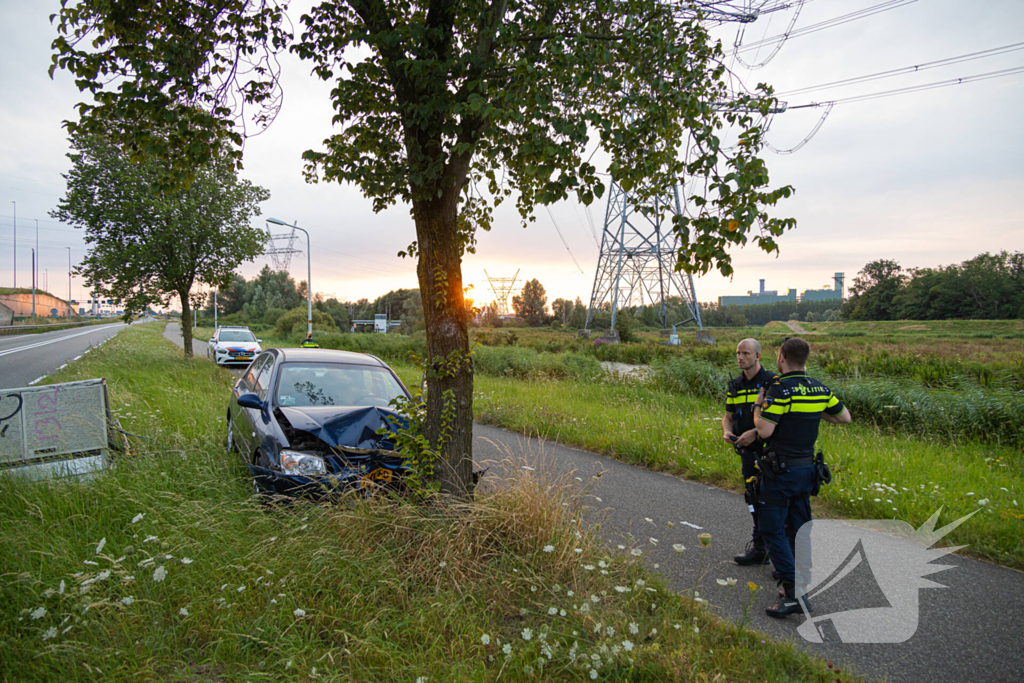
x=294, y=321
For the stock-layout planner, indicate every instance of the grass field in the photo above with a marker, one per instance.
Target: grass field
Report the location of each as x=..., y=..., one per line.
x=165, y=569
x=958, y=448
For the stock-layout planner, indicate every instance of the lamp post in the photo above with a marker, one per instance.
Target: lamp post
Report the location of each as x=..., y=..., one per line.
x=33, y=284
x=15, y=244
x=69, y=281
x=35, y=268
x=309, y=274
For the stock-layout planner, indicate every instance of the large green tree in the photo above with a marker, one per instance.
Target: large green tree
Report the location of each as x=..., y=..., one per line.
x=451, y=107
x=147, y=246
x=873, y=290
x=531, y=303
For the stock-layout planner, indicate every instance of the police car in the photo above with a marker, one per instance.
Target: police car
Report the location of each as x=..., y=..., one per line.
x=232, y=345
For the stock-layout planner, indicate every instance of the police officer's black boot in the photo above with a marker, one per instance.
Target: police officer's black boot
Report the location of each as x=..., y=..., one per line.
x=755, y=554
x=787, y=604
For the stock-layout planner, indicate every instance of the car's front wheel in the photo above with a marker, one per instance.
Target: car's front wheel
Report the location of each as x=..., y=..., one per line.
x=231, y=436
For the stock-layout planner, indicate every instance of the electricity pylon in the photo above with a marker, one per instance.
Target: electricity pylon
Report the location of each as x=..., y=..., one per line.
x=502, y=288
x=281, y=257
x=638, y=256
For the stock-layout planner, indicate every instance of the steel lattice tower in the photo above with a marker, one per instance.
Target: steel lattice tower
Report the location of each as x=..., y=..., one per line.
x=638, y=257
x=502, y=288
x=281, y=257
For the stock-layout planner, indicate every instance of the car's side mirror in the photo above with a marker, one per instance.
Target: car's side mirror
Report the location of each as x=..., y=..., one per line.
x=212, y=340
x=259, y=341
x=250, y=400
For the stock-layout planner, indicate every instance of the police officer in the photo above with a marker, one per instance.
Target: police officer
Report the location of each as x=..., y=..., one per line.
x=738, y=431
x=787, y=415
x=308, y=342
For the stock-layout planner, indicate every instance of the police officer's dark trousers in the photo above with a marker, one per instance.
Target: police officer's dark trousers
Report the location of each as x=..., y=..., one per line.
x=747, y=459
x=785, y=507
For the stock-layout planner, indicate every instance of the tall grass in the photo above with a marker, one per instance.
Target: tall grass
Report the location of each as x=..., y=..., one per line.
x=165, y=569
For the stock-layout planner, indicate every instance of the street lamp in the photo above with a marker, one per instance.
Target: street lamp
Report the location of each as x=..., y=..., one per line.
x=15, y=244
x=69, y=281
x=309, y=274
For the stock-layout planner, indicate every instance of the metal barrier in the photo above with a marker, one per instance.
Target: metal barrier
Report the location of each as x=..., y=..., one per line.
x=19, y=329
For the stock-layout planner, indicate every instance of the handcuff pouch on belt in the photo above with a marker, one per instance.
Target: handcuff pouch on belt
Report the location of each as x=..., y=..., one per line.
x=822, y=473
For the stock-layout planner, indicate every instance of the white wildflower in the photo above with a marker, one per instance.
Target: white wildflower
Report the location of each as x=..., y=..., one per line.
x=731, y=581
x=240, y=589
x=970, y=493
x=186, y=560
x=533, y=589
x=602, y=564
x=128, y=579
x=721, y=582
x=60, y=589
x=641, y=583
x=561, y=612
x=589, y=567
x=621, y=547
x=578, y=550
x=679, y=548
x=442, y=564
x=653, y=541
x=527, y=634
x=594, y=599
x=983, y=501
x=90, y=563
x=621, y=589
x=634, y=628
x=485, y=639
x=50, y=633
x=159, y=574
x=183, y=612
x=610, y=632
x=552, y=611
x=127, y=600
x=38, y=613
x=593, y=674
x=627, y=646
x=150, y=539
x=549, y=548
x=507, y=648
x=138, y=518
x=570, y=593
x=299, y=612
x=636, y=552
x=99, y=546
x=649, y=520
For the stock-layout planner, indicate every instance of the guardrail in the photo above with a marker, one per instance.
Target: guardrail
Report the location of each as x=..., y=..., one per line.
x=29, y=329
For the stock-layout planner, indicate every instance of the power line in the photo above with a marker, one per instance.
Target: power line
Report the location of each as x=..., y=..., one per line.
x=916, y=88
x=559, y=231
x=828, y=23
x=908, y=69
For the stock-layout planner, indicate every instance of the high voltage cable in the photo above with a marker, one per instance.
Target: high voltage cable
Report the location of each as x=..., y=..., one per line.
x=828, y=23
x=915, y=88
x=559, y=231
x=778, y=46
x=908, y=69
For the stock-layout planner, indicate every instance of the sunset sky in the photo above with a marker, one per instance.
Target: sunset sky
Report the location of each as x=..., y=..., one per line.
x=926, y=178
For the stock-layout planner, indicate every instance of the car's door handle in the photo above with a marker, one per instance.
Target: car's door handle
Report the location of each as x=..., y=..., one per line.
x=254, y=433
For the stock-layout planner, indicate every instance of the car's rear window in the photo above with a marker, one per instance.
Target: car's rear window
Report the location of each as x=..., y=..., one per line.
x=335, y=384
x=236, y=336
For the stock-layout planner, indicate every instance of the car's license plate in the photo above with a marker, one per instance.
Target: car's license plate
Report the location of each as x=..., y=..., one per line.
x=379, y=476
x=243, y=357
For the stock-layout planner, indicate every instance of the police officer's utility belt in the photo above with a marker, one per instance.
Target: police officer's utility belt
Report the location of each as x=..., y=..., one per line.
x=771, y=463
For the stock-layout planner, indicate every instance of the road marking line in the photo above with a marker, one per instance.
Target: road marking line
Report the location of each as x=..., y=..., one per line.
x=36, y=380
x=54, y=341
x=76, y=358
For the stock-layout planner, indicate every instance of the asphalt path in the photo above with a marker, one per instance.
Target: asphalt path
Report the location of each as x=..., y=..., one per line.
x=969, y=630
x=27, y=358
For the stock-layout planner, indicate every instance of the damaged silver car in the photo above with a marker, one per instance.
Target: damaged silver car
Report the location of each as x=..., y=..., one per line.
x=306, y=421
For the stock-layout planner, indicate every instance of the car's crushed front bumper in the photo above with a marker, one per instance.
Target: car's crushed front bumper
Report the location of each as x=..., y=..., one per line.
x=348, y=470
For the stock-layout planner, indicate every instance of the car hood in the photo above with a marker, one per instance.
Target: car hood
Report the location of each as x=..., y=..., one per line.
x=352, y=427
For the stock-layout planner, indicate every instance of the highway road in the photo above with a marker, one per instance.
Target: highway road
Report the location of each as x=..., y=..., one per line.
x=27, y=357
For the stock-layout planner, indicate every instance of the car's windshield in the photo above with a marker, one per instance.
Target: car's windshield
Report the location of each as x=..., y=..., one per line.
x=236, y=336
x=335, y=384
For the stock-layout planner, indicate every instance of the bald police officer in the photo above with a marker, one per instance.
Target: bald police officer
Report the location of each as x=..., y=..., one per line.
x=738, y=431
x=787, y=416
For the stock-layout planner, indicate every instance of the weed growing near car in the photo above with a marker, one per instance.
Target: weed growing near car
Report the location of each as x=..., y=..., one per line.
x=165, y=568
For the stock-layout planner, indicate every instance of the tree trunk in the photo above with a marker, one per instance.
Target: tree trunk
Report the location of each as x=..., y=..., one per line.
x=186, y=324
x=449, y=420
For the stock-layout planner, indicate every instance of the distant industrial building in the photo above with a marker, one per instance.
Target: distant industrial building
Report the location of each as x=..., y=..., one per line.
x=759, y=297
x=763, y=296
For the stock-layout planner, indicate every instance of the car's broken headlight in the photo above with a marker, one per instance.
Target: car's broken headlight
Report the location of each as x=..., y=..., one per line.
x=302, y=464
